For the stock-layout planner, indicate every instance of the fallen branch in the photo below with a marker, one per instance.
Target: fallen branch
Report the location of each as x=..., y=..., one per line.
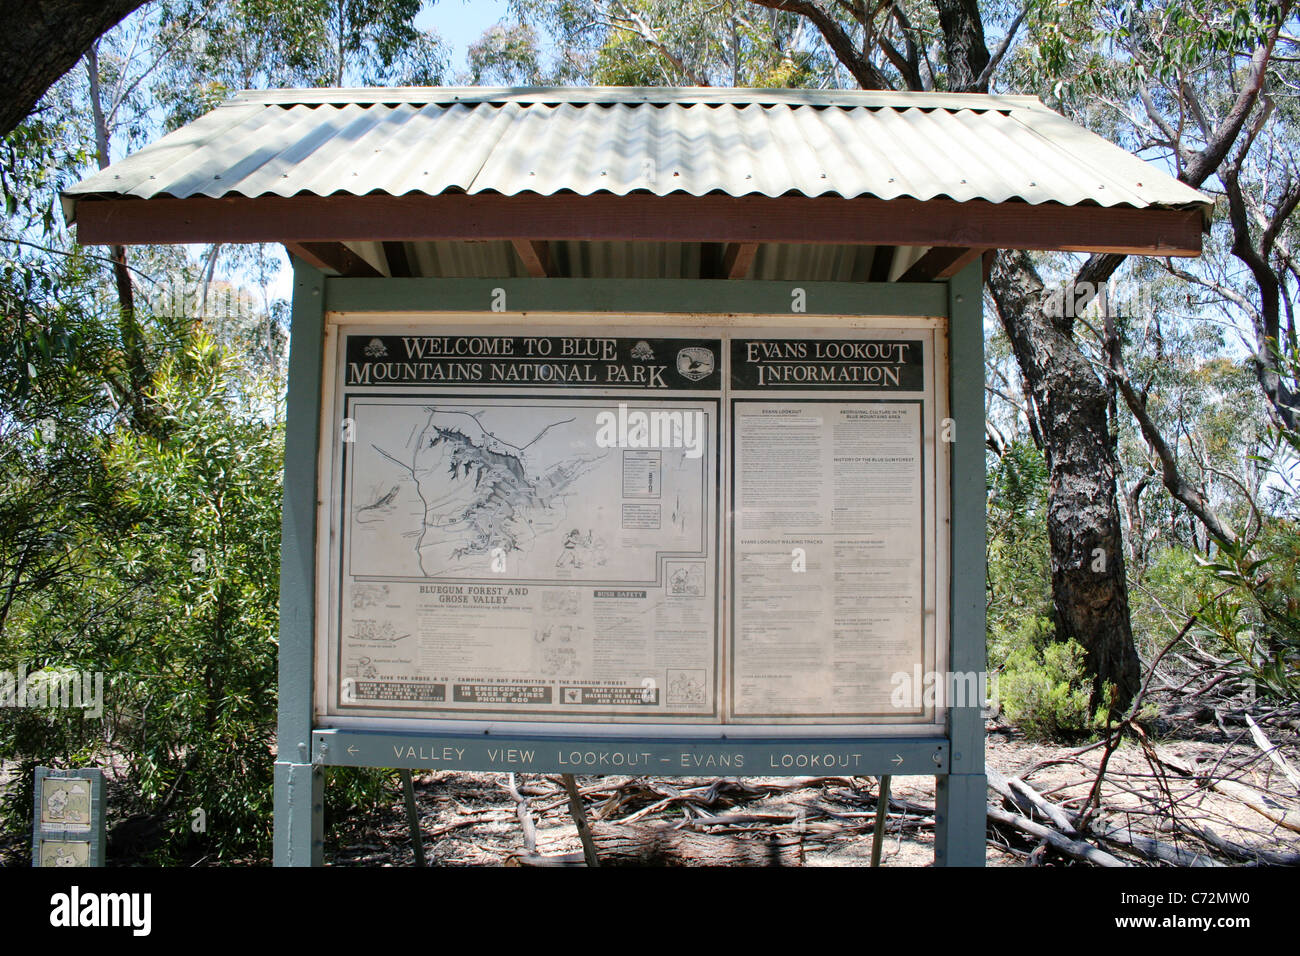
x=1027, y=798
x=666, y=846
x=579, y=814
x=1270, y=751
x=1260, y=804
x=1021, y=794
x=1279, y=814
x=1245, y=854
x=1154, y=849
x=1072, y=848
x=523, y=814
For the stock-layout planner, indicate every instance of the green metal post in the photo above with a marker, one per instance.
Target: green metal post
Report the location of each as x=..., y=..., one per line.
x=960, y=799
x=299, y=785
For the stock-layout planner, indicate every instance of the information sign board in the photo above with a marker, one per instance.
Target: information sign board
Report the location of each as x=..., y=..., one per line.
x=623, y=525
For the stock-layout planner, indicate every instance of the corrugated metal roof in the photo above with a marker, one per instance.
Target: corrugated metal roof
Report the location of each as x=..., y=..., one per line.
x=632, y=140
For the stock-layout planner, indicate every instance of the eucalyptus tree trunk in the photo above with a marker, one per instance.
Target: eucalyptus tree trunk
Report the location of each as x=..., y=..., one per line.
x=1084, y=528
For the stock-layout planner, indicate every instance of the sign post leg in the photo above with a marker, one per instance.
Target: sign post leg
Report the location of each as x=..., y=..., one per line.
x=299, y=816
x=960, y=797
x=412, y=815
x=299, y=787
x=959, y=822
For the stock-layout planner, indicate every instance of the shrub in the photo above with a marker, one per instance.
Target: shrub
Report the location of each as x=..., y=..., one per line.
x=1046, y=692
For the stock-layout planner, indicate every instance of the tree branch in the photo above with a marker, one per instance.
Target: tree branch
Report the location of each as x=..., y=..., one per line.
x=841, y=44
x=1171, y=475
x=1204, y=163
x=982, y=81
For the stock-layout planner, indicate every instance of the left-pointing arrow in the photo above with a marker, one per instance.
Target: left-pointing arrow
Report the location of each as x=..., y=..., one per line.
x=351, y=749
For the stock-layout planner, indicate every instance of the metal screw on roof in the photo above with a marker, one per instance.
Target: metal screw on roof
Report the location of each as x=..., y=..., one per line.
x=1033, y=184
x=1139, y=184
x=963, y=181
x=823, y=176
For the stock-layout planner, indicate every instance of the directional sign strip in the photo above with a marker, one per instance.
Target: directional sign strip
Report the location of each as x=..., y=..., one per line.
x=597, y=755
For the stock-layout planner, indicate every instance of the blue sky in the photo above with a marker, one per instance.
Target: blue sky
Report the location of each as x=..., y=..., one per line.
x=460, y=23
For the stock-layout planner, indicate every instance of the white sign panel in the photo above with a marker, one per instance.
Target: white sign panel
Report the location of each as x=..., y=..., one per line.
x=833, y=518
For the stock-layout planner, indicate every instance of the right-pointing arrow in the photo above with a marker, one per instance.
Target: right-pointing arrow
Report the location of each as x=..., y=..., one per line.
x=898, y=759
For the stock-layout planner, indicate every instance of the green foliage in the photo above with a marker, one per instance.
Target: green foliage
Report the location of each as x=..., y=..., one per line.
x=1019, y=575
x=1042, y=684
x=177, y=608
x=358, y=790
x=220, y=46
x=1082, y=47
x=506, y=55
x=1170, y=587
x=624, y=60
x=1258, y=620
x=204, y=549
x=1046, y=692
x=1255, y=617
x=141, y=449
x=674, y=43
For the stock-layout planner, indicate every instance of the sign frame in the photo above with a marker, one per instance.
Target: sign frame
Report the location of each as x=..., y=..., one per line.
x=953, y=752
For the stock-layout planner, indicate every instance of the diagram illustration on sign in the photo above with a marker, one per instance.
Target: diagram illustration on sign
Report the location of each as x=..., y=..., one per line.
x=479, y=493
x=520, y=492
